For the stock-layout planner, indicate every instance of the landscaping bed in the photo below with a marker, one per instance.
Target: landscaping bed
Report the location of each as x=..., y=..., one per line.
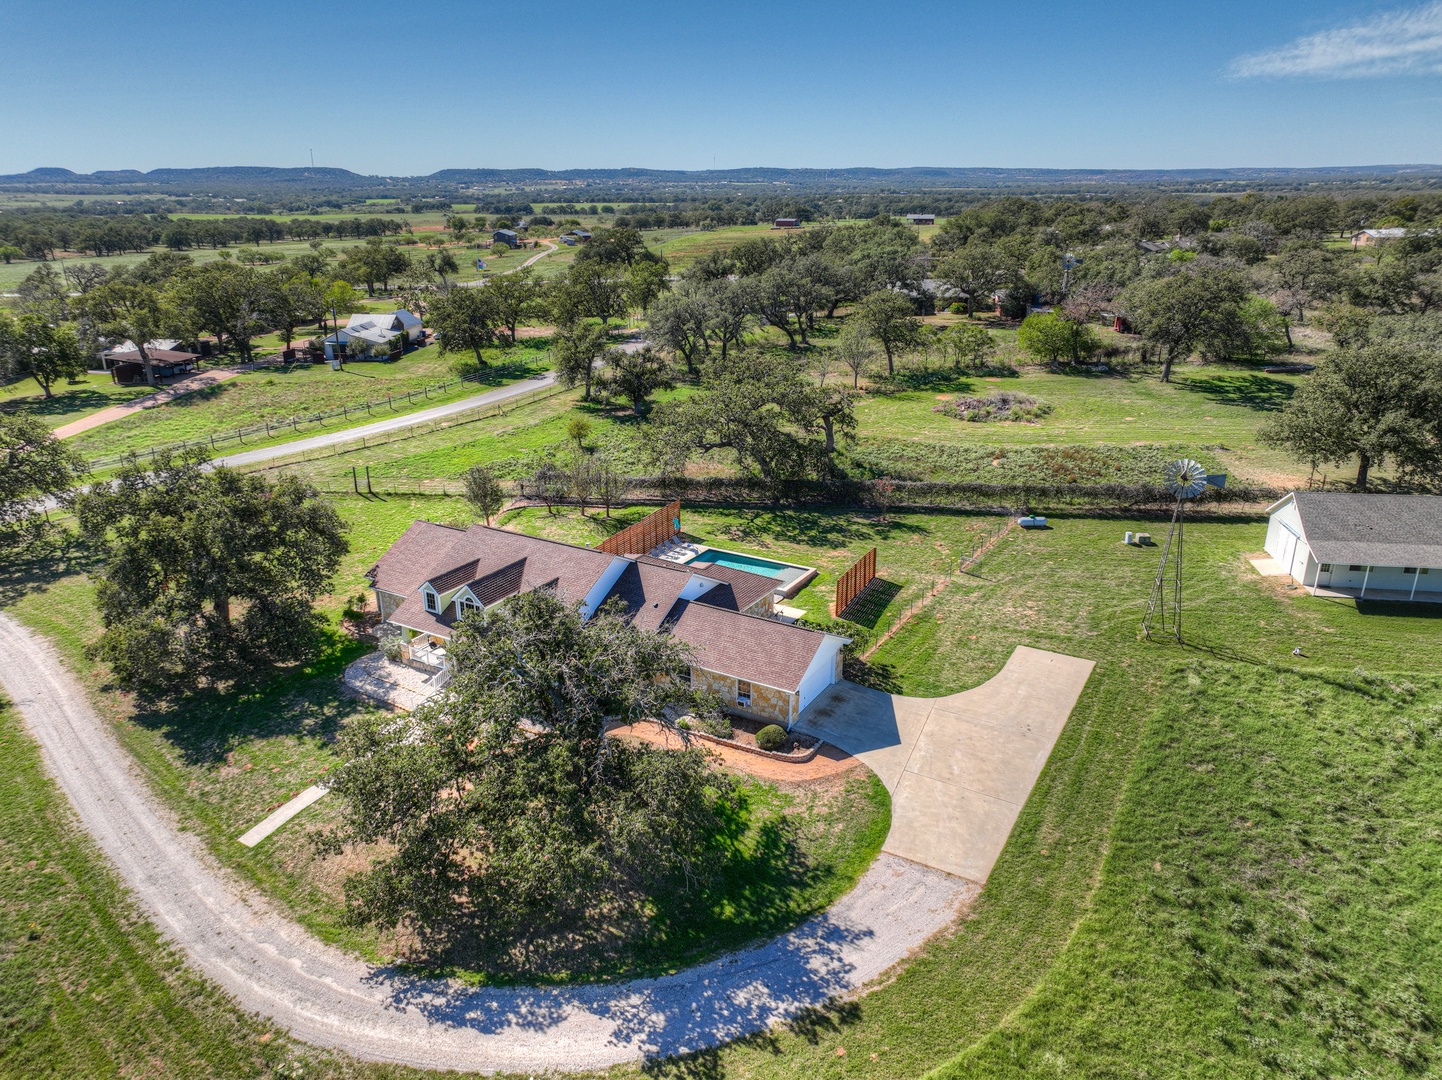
x=744, y=729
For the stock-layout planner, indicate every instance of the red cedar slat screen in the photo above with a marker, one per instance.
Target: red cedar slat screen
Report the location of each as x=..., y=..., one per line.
x=854, y=580
x=641, y=537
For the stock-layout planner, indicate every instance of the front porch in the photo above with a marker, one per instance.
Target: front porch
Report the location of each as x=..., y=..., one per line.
x=1332, y=592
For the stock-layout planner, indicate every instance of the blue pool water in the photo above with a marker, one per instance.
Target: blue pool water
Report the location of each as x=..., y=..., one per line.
x=737, y=561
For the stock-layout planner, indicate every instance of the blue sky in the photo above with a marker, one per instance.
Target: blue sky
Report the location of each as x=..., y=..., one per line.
x=408, y=88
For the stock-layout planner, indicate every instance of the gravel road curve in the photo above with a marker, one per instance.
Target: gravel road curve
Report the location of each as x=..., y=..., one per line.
x=275, y=968
x=394, y=423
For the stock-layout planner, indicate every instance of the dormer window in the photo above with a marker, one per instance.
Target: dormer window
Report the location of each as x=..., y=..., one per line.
x=466, y=605
x=433, y=602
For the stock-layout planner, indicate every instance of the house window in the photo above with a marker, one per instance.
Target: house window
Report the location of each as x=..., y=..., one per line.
x=433, y=602
x=1355, y=568
x=684, y=677
x=1325, y=568
x=466, y=605
x=1409, y=569
x=743, y=694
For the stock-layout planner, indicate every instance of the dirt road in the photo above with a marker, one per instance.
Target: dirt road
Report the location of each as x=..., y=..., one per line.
x=272, y=966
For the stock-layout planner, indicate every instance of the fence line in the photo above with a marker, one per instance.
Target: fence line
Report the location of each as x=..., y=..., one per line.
x=655, y=528
x=294, y=423
x=850, y=584
x=411, y=431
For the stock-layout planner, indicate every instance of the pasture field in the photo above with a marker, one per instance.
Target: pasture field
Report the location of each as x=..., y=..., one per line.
x=1190, y=881
x=277, y=394
x=72, y=400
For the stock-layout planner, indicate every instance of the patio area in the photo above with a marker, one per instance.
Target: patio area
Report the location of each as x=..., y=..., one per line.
x=390, y=682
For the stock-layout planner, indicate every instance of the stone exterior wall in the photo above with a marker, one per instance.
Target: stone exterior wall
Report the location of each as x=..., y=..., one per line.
x=387, y=603
x=777, y=706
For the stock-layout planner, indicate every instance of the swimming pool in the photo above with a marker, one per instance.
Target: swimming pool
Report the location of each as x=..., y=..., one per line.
x=749, y=563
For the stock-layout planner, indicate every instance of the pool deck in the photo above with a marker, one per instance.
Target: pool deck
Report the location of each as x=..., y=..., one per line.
x=790, y=581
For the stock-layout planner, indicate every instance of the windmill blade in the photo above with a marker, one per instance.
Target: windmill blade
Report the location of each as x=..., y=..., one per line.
x=1185, y=478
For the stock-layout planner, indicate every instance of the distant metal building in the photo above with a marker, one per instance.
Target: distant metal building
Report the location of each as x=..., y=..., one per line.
x=786, y=223
x=921, y=219
x=507, y=237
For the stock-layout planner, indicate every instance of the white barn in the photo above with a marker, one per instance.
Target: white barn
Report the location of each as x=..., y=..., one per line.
x=1382, y=547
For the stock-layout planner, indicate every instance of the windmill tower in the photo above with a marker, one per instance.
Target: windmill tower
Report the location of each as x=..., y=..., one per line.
x=1185, y=479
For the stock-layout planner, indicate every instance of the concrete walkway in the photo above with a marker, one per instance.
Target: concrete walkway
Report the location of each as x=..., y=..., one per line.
x=188, y=385
x=274, y=967
x=959, y=768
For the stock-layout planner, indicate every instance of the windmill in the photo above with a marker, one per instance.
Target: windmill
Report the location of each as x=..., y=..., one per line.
x=1186, y=479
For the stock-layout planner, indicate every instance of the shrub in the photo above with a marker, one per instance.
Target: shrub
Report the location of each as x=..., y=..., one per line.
x=392, y=650
x=1001, y=405
x=957, y=309
x=771, y=737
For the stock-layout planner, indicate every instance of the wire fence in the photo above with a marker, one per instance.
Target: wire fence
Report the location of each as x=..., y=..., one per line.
x=268, y=429
x=401, y=485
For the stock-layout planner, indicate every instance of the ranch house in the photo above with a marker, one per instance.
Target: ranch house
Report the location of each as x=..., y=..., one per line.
x=395, y=331
x=755, y=664
x=1379, y=547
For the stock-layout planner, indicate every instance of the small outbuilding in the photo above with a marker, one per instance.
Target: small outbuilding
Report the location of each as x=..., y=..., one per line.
x=1372, y=237
x=506, y=237
x=786, y=223
x=127, y=368
x=1378, y=547
x=921, y=219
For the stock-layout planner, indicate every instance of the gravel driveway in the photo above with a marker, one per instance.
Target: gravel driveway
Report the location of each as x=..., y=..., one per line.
x=325, y=997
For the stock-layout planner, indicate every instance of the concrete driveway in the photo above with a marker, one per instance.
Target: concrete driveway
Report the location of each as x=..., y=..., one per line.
x=959, y=768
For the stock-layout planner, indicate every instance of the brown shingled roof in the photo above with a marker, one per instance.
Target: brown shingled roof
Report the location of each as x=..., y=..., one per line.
x=749, y=647
x=746, y=587
x=649, y=589
x=420, y=551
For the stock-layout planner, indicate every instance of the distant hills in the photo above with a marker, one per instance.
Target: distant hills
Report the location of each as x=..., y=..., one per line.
x=230, y=181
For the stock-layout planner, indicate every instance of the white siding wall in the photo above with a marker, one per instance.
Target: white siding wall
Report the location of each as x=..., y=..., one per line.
x=821, y=673
x=1284, y=540
x=604, y=585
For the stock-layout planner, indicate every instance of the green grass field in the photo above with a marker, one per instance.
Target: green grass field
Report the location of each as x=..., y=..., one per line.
x=1221, y=870
x=277, y=394
x=72, y=400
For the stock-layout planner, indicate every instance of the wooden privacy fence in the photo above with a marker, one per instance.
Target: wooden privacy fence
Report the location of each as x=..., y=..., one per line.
x=653, y=529
x=850, y=584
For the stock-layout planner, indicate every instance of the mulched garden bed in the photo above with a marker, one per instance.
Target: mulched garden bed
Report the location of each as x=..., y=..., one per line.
x=744, y=729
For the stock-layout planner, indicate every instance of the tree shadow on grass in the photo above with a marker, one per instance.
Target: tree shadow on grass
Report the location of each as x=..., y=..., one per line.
x=811, y=1024
x=762, y=879
x=305, y=700
x=870, y=604
x=62, y=404
x=32, y=562
x=1247, y=391
x=818, y=528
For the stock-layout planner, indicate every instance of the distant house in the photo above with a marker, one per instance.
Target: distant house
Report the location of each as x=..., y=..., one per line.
x=786, y=223
x=1155, y=247
x=580, y=235
x=1371, y=237
x=506, y=237
x=921, y=219
x=1383, y=547
x=393, y=332
x=435, y=574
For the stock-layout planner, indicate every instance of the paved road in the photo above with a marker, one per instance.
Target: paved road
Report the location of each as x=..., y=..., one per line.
x=394, y=423
x=959, y=768
x=273, y=967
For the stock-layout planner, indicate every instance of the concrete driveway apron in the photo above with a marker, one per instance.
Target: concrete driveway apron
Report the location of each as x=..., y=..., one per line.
x=959, y=768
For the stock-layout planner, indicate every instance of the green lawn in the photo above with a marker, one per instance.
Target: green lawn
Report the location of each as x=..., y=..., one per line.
x=224, y=761
x=72, y=400
x=1214, y=410
x=1222, y=866
x=277, y=394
